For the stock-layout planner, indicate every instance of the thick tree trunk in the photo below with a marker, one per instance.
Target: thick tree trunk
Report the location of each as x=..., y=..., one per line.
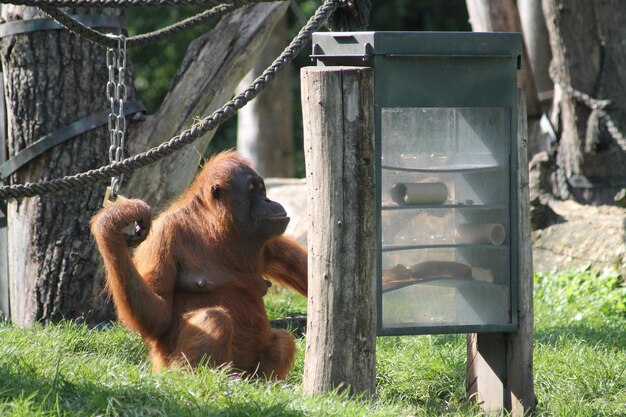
x=589, y=54
x=52, y=78
x=265, y=127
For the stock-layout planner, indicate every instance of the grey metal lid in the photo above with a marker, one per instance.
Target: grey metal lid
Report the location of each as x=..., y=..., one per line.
x=417, y=43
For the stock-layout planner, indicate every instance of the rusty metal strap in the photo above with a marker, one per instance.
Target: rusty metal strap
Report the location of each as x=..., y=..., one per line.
x=67, y=132
x=17, y=27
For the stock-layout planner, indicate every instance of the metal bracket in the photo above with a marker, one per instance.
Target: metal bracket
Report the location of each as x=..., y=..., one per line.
x=67, y=132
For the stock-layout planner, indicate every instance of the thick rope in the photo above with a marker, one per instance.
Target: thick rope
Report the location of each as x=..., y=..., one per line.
x=122, y=3
x=187, y=136
x=592, y=104
x=139, y=40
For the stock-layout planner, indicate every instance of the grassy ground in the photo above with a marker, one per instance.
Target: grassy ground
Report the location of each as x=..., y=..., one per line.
x=70, y=370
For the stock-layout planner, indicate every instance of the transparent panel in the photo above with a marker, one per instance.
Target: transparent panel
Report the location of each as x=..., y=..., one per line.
x=445, y=286
x=444, y=138
x=435, y=227
x=445, y=216
x=467, y=187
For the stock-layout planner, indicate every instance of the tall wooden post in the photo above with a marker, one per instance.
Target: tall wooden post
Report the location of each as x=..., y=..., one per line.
x=4, y=244
x=520, y=395
x=338, y=112
x=500, y=365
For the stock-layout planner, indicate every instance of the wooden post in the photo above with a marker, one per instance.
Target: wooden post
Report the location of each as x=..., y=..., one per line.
x=338, y=112
x=500, y=365
x=4, y=244
x=521, y=393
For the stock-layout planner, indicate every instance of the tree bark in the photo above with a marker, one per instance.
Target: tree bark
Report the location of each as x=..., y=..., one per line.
x=207, y=78
x=53, y=78
x=265, y=126
x=589, y=54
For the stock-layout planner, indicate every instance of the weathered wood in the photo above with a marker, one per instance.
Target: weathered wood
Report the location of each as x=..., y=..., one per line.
x=521, y=397
x=485, y=377
x=265, y=125
x=4, y=246
x=212, y=68
x=587, y=38
x=53, y=78
x=337, y=107
x=4, y=267
x=500, y=366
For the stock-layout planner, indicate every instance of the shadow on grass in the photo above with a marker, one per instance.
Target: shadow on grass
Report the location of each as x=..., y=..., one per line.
x=611, y=335
x=57, y=395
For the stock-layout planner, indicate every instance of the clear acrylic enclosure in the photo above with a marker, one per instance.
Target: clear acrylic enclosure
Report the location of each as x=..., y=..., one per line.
x=445, y=216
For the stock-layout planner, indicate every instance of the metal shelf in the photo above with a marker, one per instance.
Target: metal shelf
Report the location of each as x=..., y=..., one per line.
x=449, y=168
x=389, y=207
x=401, y=247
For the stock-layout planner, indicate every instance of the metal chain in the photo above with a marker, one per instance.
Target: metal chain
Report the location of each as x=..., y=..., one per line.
x=187, y=136
x=138, y=40
x=116, y=94
x=593, y=104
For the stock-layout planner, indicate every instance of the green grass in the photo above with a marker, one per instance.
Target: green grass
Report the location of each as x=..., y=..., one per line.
x=70, y=370
x=580, y=343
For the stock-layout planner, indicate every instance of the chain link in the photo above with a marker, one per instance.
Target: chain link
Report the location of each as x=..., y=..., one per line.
x=593, y=104
x=116, y=94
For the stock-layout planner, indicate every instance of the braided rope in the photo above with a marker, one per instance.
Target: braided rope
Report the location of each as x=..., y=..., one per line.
x=187, y=136
x=139, y=40
x=593, y=104
x=121, y=3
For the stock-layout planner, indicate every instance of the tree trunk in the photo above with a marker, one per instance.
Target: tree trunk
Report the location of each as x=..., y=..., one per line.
x=207, y=78
x=589, y=55
x=538, y=46
x=264, y=126
x=502, y=16
x=53, y=78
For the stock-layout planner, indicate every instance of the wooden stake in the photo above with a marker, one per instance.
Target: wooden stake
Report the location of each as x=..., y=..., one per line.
x=338, y=112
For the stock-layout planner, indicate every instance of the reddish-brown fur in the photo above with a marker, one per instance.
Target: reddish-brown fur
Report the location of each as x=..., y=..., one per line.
x=194, y=287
